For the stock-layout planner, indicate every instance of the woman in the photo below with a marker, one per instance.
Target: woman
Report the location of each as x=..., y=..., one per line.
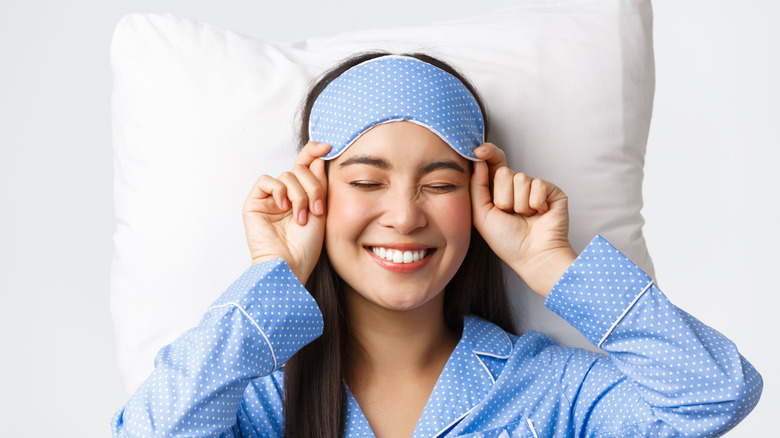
x=393, y=216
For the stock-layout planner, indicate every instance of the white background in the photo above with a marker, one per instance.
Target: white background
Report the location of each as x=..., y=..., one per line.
x=711, y=185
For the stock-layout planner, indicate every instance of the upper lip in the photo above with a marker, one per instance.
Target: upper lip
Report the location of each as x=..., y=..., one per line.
x=401, y=246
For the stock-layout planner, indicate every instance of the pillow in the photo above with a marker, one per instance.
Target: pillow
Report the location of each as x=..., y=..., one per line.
x=200, y=112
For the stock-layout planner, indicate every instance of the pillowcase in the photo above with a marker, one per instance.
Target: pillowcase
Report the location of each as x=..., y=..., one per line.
x=200, y=112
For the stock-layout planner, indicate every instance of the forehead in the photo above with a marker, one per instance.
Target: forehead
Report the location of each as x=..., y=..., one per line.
x=402, y=142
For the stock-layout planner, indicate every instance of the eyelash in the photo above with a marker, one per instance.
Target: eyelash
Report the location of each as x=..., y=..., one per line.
x=442, y=188
x=369, y=186
x=362, y=185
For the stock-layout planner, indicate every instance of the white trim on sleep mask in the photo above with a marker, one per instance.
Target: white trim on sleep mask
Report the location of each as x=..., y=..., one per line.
x=393, y=88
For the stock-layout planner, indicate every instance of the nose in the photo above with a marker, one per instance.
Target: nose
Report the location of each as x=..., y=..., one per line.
x=403, y=211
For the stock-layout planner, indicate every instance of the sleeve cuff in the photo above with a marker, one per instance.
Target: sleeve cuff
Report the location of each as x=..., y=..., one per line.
x=276, y=303
x=597, y=290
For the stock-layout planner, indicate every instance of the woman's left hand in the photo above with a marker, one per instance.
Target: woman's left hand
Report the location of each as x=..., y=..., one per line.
x=525, y=222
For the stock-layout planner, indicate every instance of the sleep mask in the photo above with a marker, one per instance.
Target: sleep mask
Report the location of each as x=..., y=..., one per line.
x=393, y=88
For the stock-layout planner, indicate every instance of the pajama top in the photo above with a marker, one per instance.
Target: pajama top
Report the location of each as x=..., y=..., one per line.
x=665, y=373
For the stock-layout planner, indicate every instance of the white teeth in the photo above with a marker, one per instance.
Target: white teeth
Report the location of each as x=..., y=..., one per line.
x=397, y=256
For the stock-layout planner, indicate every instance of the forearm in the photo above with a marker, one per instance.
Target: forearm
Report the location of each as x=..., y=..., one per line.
x=198, y=381
x=690, y=375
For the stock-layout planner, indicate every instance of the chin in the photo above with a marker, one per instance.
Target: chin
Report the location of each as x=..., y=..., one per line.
x=403, y=301
x=401, y=306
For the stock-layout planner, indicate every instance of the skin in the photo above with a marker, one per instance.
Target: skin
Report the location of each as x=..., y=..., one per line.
x=400, y=184
x=397, y=185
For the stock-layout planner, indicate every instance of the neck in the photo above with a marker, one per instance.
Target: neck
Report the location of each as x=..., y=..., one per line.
x=392, y=343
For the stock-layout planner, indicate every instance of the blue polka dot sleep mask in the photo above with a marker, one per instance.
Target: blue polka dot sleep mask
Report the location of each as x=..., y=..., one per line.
x=393, y=88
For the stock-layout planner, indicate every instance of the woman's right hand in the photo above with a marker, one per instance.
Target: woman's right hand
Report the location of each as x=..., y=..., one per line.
x=285, y=216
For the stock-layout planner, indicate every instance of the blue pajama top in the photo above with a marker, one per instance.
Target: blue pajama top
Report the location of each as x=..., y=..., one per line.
x=665, y=373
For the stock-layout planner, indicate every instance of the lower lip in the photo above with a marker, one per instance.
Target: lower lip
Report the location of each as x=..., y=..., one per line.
x=401, y=268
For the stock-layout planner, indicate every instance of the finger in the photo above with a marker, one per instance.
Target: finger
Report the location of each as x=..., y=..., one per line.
x=503, y=190
x=297, y=196
x=311, y=152
x=540, y=194
x=315, y=192
x=318, y=169
x=492, y=155
x=480, y=192
x=264, y=187
x=522, y=183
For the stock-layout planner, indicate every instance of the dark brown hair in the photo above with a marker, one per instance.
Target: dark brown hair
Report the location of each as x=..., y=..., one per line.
x=315, y=399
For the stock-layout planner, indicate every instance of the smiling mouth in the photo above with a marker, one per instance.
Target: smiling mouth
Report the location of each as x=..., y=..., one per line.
x=401, y=256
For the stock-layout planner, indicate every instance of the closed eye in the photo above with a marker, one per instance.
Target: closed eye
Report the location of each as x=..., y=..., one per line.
x=441, y=187
x=364, y=185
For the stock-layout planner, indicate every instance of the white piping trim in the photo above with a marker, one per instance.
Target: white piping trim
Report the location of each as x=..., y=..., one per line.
x=531, y=426
x=487, y=370
x=449, y=426
x=270, y=347
x=622, y=315
x=482, y=353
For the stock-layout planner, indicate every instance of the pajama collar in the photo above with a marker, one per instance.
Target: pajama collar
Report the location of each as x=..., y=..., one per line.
x=470, y=372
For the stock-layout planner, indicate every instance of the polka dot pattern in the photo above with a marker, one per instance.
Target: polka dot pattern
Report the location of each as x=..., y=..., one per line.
x=209, y=379
x=602, y=282
x=665, y=373
x=392, y=88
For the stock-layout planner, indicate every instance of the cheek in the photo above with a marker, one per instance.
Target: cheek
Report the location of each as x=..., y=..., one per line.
x=347, y=215
x=455, y=217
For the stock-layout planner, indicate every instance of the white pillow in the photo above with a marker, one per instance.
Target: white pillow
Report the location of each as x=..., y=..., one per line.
x=200, y=112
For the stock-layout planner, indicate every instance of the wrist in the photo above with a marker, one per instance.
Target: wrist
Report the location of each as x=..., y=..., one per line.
x=545, y=269
x=302, y=274
x=263, y=259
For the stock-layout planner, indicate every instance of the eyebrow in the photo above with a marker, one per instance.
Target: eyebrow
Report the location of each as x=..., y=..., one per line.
x=385, y=165
x=438, y=165
x=365, y=159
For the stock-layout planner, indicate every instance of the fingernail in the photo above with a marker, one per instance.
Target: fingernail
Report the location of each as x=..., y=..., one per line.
x=302, y=217
x=481, y=149
x=318, y=207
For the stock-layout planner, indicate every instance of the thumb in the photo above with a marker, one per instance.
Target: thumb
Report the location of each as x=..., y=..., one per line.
x=480, y=192
x=318, y=169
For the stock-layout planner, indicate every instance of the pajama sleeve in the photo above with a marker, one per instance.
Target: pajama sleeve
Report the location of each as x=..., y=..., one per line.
x=198, y=381
x=665, y=373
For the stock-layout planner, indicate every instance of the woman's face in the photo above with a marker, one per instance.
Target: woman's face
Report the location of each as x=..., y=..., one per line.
x=399, y=215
